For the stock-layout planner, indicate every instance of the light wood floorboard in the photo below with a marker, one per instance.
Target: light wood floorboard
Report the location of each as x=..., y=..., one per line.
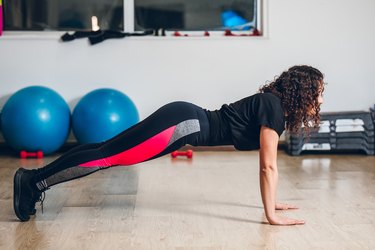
x=210, y=202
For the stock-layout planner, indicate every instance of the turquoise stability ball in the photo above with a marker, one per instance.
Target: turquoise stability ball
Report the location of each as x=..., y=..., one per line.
x=35, y=118
x=102, y=114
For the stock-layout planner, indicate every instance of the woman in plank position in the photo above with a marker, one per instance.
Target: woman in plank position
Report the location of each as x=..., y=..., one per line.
x=253, y=123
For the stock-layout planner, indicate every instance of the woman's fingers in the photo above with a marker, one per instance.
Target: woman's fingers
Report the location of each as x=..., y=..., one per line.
x=292, y=206
x=298, y=222
x=283, y=206
x=284, y=221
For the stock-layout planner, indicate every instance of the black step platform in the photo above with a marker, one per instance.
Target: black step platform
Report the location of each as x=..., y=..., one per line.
x=339, y=132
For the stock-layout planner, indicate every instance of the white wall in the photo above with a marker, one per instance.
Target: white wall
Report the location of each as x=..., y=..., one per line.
x=336, y=36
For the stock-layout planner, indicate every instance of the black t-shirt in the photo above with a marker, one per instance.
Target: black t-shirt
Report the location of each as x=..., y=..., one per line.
x=239, y=123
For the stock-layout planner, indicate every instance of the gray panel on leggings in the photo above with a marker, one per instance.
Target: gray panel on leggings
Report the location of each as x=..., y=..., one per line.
x=68, y=174
x=185, y=128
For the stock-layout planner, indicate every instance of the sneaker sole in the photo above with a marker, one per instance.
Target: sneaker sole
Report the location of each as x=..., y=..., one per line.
x=17, y=195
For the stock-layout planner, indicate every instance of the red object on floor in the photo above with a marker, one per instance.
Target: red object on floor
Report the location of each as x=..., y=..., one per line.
x=188, y=154
x=24, y=154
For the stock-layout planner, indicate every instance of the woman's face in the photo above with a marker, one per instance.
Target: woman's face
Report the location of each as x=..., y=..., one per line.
x=321, y=90
x=319, y=100
x=320, y=96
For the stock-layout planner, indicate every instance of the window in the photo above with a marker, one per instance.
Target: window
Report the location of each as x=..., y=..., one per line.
x=132, y=15
x=63, y=14
x=191, y=15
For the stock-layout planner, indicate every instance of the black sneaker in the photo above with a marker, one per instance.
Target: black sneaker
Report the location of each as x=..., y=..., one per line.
x=24, y=194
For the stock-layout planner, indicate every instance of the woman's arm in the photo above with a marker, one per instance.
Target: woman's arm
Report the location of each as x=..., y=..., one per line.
x=269, y=176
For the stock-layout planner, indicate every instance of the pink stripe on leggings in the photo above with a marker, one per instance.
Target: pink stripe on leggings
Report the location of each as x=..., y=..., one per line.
x=136, y=154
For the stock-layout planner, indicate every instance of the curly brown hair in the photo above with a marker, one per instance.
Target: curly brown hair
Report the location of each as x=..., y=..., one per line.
x=298, y=88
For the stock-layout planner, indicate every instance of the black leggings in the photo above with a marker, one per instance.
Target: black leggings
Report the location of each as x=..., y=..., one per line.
x=169, y=128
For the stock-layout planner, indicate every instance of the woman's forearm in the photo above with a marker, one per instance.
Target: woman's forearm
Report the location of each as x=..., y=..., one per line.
x=268, y=184
x=268, y=175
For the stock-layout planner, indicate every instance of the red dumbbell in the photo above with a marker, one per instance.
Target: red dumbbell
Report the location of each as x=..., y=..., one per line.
x=188, y=153
x=24, y=154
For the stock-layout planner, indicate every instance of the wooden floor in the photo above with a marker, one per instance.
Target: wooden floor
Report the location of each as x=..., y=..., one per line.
x=211, y=202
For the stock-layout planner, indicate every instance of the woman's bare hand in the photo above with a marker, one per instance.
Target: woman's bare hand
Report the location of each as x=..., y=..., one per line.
x=284, y=206
x=284, y=221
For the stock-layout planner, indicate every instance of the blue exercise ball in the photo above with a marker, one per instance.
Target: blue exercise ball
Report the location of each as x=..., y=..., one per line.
x=102, y=114
x=35, y=118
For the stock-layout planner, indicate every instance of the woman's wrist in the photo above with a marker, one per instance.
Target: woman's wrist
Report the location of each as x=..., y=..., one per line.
x=270, y=216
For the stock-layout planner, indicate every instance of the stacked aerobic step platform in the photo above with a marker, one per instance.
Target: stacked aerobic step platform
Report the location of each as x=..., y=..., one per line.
x=343, y=131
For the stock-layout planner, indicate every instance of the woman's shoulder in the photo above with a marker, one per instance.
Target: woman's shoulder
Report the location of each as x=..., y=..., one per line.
x=256, y=98
x=263, y=102
x=266, y=96
x=268, y=103
x=261, y=98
